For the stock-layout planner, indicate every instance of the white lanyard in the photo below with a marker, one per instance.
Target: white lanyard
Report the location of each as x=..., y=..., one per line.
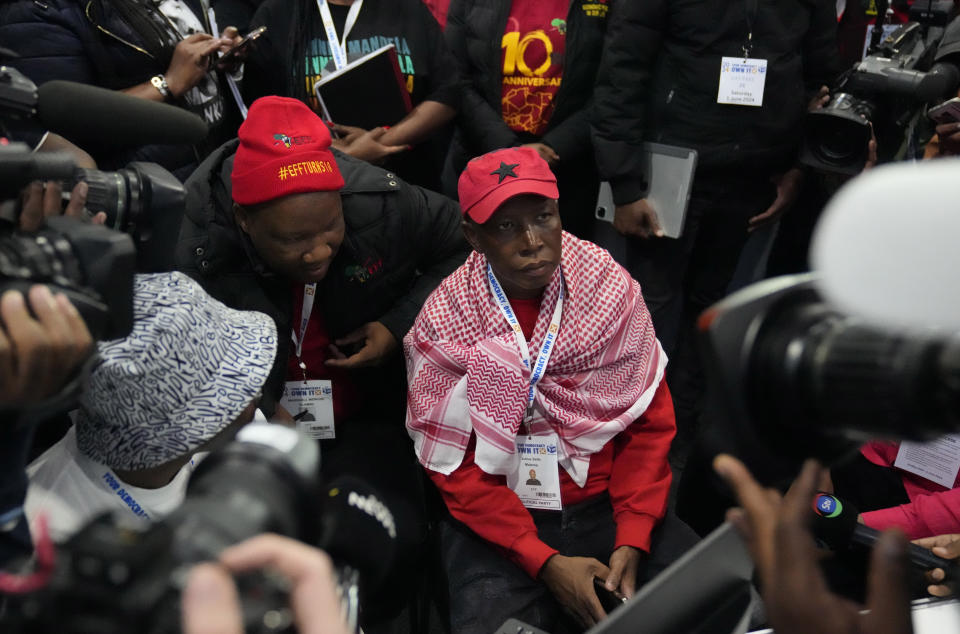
x=338, y=47
x=548, y=340
x=231, y=81
x=309, y=294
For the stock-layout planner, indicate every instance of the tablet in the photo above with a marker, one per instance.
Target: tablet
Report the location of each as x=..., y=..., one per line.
x=668, y=172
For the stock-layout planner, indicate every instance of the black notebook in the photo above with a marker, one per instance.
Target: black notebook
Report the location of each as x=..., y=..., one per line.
x=368, y=92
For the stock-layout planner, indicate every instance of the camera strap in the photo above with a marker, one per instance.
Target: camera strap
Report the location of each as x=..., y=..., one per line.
x=338, y=47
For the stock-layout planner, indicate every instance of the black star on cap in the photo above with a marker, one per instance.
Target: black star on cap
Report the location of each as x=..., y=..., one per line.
x=506, y=169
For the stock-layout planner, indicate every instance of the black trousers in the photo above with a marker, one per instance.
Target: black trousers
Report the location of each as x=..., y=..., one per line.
x=486, y=588
x=682, y=277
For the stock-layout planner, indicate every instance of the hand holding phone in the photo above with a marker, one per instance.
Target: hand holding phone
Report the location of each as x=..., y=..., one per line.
x=610, y=600
x=235, y=56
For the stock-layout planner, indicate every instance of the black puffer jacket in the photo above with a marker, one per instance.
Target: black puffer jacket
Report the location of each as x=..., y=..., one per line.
x=473, y=32
x=660, y=75
x=73, y=41
x=412, y=235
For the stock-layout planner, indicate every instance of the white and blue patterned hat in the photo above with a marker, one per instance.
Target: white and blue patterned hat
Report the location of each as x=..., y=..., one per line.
x=186, y=371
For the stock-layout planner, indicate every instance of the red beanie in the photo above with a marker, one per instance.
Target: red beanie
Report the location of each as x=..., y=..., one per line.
x=284, y=149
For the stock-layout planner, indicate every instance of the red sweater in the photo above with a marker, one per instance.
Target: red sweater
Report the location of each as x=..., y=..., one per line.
x=632, y=467
x=933, y=509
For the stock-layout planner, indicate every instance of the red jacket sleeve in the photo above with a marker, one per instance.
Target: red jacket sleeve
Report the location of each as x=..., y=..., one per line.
x=640, y=477
x=491, y=510
x=926, y=516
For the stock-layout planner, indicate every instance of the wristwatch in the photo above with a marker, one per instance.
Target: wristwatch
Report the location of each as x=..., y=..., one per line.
x=160, y=83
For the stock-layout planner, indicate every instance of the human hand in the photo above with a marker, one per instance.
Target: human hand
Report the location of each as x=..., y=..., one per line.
x=795, y=591
x=946, y=546
x=378, y=343
x=367, y=146
x=230, y=38
x=872, y=159
x=38, y=354
x=44, y=200
x=191, y=61
x=210, y=604
x=949, y=135
x=282, y=416
x=348, y=133
x=788, y=187
x=231, y=58
x=623, y=571
x=570, y=579
x=637, y=219
x=819, y=100
x=546, y=152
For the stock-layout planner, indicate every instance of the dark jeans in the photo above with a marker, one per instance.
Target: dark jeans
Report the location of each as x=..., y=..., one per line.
x=486, y=588
x=681, y=278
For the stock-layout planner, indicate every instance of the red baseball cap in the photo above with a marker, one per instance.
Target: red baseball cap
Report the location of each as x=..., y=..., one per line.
x=284, y=149
x=490, y=180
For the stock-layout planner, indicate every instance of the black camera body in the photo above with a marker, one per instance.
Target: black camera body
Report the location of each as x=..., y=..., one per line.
x=794, y=378
x=123, y=574
x=886, y=91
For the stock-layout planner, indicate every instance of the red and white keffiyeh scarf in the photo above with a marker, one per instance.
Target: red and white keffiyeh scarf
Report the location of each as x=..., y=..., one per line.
x=465, y=372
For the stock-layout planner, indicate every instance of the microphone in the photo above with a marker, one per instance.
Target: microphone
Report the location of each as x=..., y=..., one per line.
x=835, y=524
x=885, y=248
x=359, y=531
x=98, y=117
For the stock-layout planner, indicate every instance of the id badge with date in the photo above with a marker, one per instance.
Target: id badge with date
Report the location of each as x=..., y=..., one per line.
x=742, y=81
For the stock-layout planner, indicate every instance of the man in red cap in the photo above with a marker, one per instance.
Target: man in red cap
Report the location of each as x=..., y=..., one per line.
x=538, y=354
x=342, y=255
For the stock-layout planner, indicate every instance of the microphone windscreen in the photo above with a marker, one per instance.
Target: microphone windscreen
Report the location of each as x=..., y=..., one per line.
x=885, y=248
x=98, y=117
x=834, y=521
x=359, y=530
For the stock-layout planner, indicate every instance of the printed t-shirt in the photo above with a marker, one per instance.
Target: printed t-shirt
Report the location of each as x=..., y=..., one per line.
x=533, y=48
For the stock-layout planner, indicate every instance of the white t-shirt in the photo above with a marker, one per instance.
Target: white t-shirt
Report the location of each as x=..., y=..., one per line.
x=71, y=489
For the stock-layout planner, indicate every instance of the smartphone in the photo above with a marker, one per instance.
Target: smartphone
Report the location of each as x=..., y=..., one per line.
x=609, y=600
x=232, y=56
x=947, y=112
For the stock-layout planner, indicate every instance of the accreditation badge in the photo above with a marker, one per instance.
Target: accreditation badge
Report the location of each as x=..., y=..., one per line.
x=311, y=404
x=742, y=81
x=537, y=478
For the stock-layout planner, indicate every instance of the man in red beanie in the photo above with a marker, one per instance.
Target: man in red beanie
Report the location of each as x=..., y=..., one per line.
x=342, y=255
x=538, y=354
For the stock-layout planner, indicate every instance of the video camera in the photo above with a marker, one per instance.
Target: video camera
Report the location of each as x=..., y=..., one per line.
x=867, y=347
x=124, y=574
x=143, y=199
x=886, y=90
x=796, y=378
x=92, y=265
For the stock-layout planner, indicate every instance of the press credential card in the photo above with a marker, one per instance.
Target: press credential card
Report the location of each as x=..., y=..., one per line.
x=742, y=81
x=937, y=461
x=312, y=401
x=537, y=479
